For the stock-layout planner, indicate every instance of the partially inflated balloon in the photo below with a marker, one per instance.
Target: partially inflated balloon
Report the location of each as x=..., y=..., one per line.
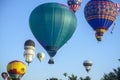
x=40, y=56
x=100, y=14
x=4, y=75
x=16, y=69
x=52, y=24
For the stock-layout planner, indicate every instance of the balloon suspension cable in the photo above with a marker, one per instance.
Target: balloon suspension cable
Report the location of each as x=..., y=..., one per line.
x=113, y=28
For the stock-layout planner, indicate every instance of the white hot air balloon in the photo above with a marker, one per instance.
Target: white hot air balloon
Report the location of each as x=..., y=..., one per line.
x=40, y=56
x=87, y=64
x=29, y=52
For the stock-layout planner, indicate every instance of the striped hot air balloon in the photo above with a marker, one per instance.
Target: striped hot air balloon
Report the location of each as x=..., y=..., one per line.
x=100, y=14
x=87, y=64
x=74, y=5
x=29, y=52
x=118, y=7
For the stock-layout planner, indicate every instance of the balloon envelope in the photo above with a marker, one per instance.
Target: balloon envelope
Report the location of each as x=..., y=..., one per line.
x=52, y=24
x=29, y=43
x=74, y=4
x=16, y=69
x=87, y=64
x=40, y=56
x=100, y=14
x=4, y=75
x=118, y=7
x=29, y=52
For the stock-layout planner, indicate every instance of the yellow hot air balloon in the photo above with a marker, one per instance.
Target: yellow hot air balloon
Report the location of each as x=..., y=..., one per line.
x=40, y=56
x=16, y=69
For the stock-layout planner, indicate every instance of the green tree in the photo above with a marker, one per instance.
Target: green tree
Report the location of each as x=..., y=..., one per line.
x=65, y=74
x=52, y=78
x=87, y=78
x=115, y=75
x=72, y=77
x=109, y=76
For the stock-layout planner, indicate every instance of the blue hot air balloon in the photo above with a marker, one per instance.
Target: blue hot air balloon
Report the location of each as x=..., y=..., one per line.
x=52, y=24
x=100, y=14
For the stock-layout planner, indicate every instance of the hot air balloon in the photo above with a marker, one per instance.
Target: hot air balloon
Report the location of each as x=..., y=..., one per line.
x=8, y=78
x=74, y=4
x=100, y=14
x=87, y=64
x=40, y=56
x=52, y=24
x=118, y=7
x=16, y=69
x=29, y=53
x=4, y=75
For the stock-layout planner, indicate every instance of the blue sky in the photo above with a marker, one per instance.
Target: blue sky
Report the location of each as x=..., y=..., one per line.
x=14, y=31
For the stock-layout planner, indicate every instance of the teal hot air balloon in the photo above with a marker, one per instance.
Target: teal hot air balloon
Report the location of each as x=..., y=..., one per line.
x=100, y=14
x=52, y=24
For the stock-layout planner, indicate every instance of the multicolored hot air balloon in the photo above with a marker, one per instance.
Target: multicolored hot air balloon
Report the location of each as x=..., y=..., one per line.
x=40, y=56
x=52, y=24
x=4, y=75
x=87, y=64
x=29, y=53
x=74, y=5
x=100, y=14
x=16, y=69
x=118, y=7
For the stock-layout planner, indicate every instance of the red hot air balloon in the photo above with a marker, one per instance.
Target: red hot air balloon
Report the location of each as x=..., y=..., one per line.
x=74, y=5
x=118, y=7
